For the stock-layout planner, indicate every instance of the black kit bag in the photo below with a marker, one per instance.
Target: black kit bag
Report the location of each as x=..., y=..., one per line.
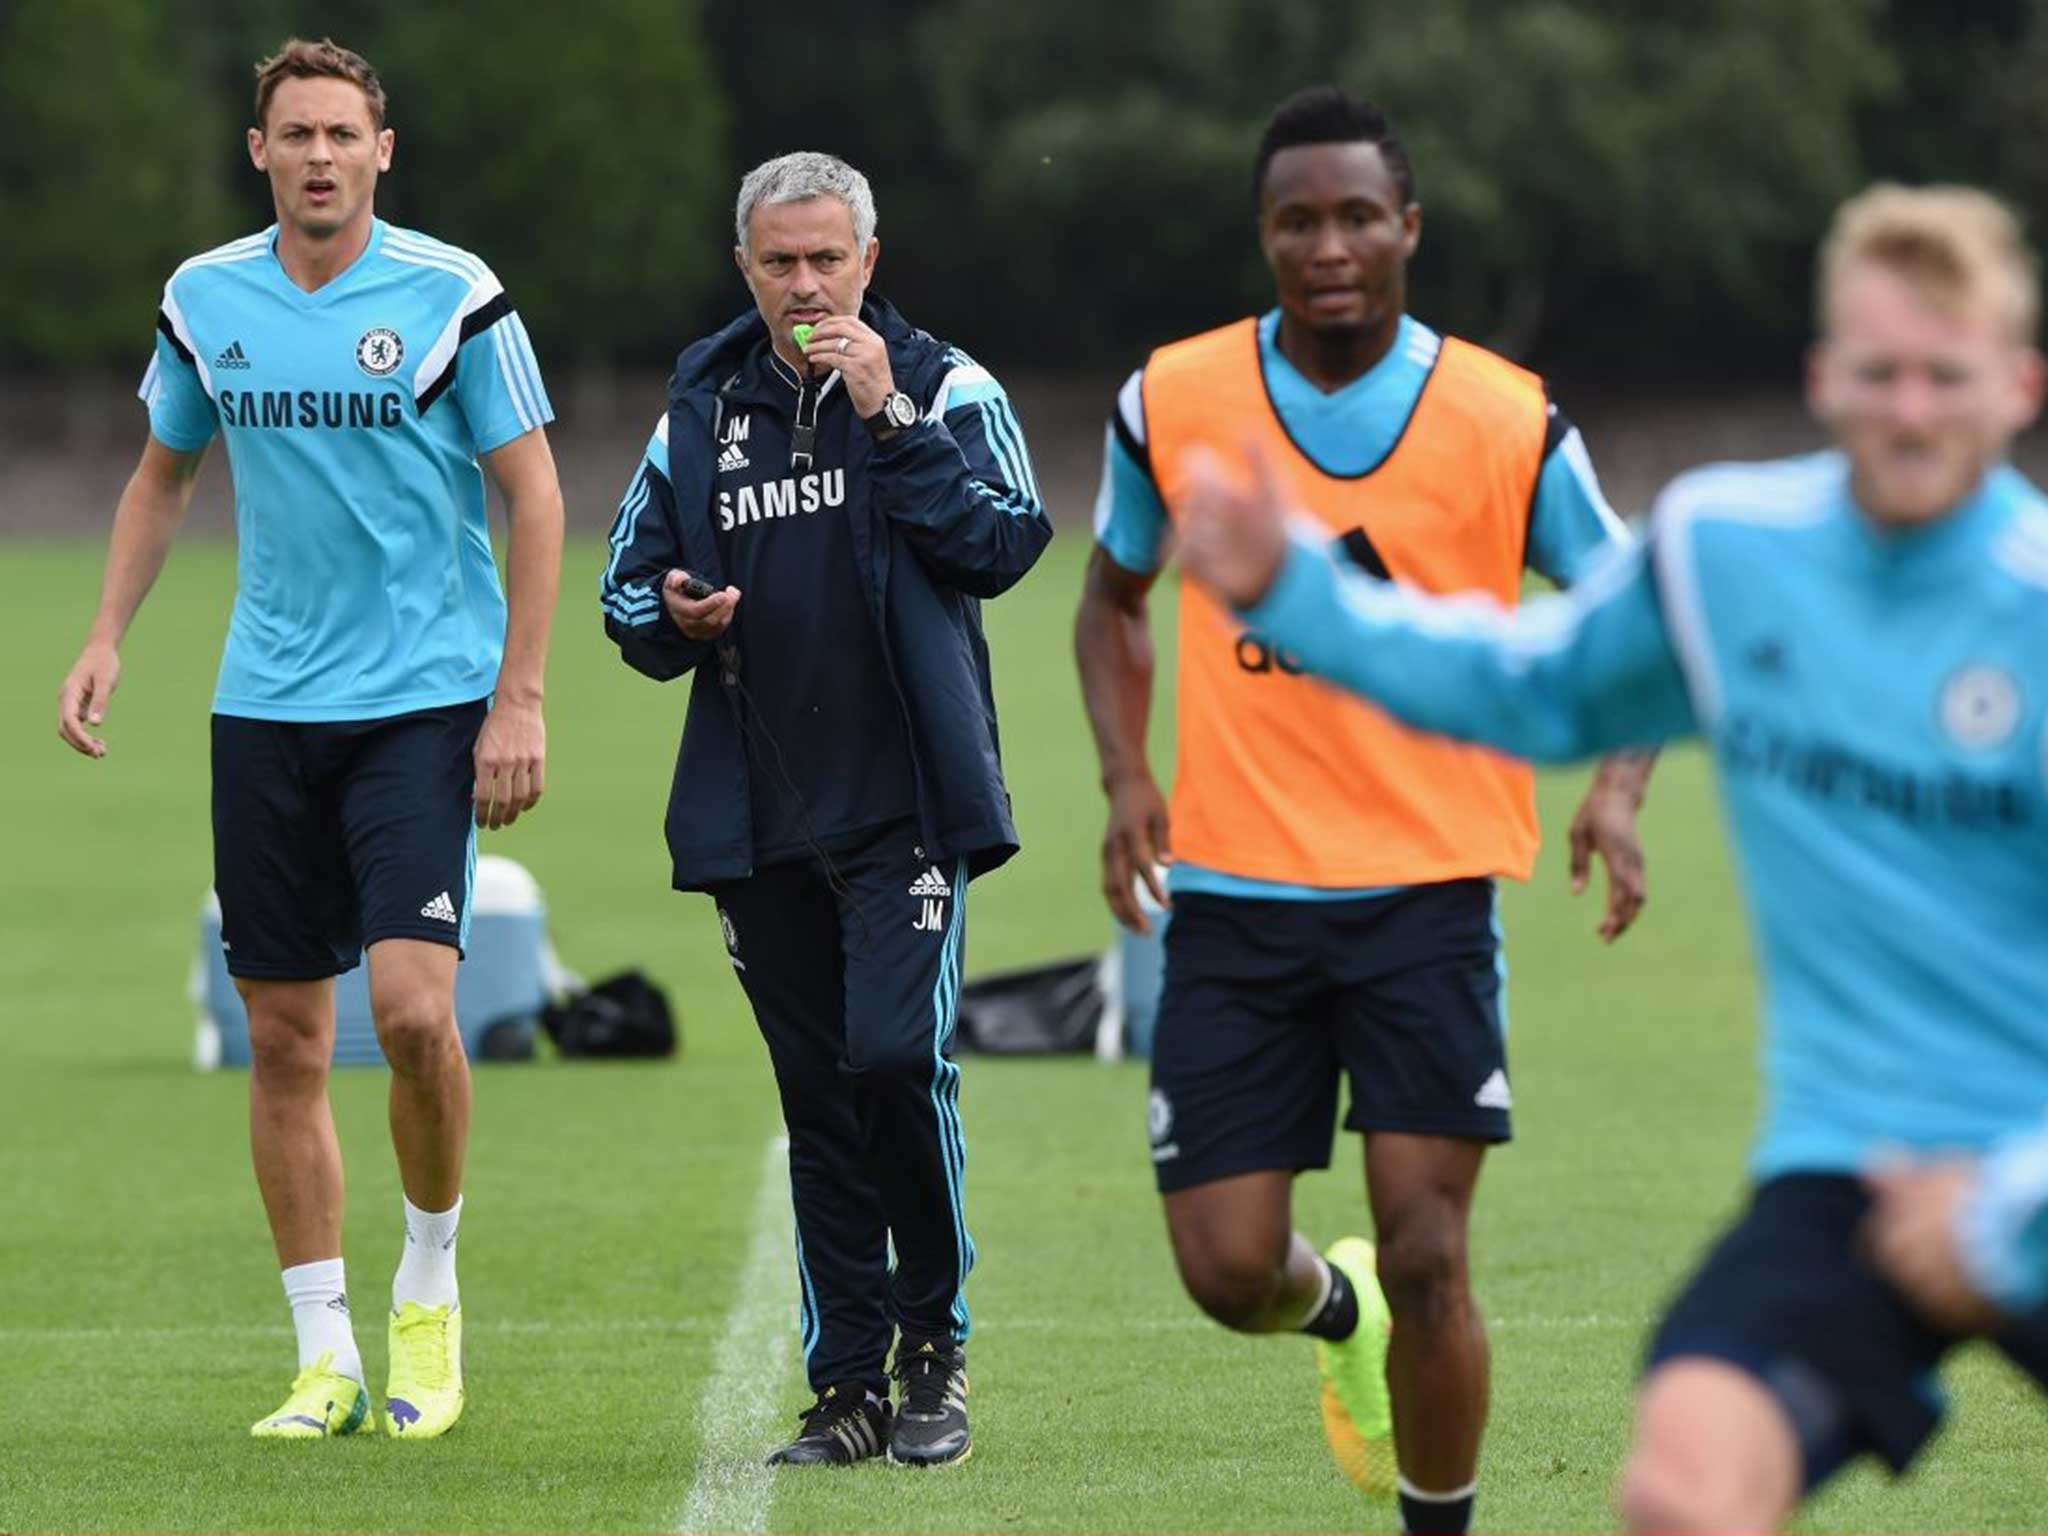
x=622, y=1016
x=1041, y=1010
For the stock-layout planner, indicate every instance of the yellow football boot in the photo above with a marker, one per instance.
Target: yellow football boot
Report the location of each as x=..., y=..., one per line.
x=424, y=1397
x=1358, y=1414
x=323, y=1402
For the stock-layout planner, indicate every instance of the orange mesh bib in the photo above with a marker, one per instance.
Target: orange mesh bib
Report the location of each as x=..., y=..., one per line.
x=1281, y=777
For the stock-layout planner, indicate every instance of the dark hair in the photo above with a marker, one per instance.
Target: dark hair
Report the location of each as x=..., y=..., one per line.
x=1328, y=114
x=298, y=59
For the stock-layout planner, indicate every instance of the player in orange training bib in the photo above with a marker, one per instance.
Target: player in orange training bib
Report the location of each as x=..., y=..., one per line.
x=1332, y=873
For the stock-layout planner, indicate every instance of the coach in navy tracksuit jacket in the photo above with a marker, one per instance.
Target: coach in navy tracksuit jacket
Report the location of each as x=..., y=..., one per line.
x=838, y=782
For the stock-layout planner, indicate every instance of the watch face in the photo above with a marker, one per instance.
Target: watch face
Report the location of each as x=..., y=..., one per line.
x=900, y=409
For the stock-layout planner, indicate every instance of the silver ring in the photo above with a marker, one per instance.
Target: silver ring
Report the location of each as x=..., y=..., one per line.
x=843, y=343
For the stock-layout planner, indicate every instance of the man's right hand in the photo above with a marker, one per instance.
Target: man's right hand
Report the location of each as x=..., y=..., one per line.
x=82, y=702
x=699, y=618
x=1135, y=848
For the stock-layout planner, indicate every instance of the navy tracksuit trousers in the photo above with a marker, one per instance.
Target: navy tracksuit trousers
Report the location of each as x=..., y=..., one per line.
x=856, y=991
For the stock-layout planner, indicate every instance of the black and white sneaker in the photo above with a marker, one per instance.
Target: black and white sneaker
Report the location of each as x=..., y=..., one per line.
x=846, y=1424
x=931, y=1416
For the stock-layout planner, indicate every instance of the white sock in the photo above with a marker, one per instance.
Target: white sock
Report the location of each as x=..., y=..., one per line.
x=426, y=1270
x=1322, y=1296
x=319, y=1300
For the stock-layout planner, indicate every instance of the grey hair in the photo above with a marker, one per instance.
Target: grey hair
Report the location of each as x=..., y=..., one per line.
x=800, y=177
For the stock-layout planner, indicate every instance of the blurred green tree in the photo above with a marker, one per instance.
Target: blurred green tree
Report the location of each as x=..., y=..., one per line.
x=581, y=150
x=107, y=177
x=1581, y=163
x=1068, y=183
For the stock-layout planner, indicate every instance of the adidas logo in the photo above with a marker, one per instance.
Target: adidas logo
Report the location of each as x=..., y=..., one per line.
x=1493, y=1093
x=730, y=458
x=931, y=883
x=232, y=356
x=442, y=908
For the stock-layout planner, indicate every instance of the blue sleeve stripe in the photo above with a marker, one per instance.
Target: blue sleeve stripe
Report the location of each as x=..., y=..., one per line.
x=509, y=339
x=513, y=392
x=523, y=355
x=998, y=449
x=1011, y=502
x=1006, y=439
x=625, y=526
x=632, y=620
x=1015, y=428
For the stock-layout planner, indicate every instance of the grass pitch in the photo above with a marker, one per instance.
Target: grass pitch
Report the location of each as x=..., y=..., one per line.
x=612, y=1210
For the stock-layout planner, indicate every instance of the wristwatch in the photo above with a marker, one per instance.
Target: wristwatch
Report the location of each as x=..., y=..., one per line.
x=898, y=414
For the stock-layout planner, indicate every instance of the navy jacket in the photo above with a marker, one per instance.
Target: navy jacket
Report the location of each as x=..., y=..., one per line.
x=943, y=515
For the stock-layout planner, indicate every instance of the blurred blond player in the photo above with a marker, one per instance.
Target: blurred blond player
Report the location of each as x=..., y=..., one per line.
x=1862, y=638
x=377, y=700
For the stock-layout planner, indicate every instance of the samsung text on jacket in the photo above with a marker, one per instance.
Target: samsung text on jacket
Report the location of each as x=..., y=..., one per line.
x=782, y=498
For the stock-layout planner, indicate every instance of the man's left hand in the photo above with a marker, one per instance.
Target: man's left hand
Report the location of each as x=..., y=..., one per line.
x=511, y=764
x=1910, y=1234
x=858, y=354
x=1606, y=825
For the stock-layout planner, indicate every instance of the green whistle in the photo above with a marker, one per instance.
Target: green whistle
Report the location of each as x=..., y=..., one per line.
x=801, y=335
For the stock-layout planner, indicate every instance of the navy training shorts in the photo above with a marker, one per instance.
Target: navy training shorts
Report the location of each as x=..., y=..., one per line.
x=1268, y=1003
x=330, y=835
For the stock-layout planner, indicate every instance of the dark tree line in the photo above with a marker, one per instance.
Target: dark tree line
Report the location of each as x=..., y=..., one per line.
x=1605, y=183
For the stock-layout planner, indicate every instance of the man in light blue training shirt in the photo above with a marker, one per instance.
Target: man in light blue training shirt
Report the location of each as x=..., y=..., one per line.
x=1862, y=637
x=378, y=698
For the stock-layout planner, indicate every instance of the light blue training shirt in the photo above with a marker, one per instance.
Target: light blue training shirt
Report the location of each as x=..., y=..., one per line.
x=1877, y=703
x=353, y=417
x=1347, y=433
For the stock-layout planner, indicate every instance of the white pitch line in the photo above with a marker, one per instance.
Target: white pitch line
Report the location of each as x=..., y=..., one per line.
x=731, y=1489
x=1097, y=1325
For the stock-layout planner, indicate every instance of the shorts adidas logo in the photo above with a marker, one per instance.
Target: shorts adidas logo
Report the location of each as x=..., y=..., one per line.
x=730, y=458
x=232, y=356
x=931, y=883
x=1493, y=1093
x=440, y=908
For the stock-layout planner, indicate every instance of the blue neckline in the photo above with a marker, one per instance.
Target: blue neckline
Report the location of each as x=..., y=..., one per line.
x=334, y=284
x=1956, y=534
x=1321, y=407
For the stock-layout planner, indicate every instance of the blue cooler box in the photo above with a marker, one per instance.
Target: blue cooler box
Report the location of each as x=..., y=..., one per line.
x=500, y=988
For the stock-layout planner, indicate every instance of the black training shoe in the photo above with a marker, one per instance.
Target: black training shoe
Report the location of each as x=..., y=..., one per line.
x=846, y=1424
x=931, y=1419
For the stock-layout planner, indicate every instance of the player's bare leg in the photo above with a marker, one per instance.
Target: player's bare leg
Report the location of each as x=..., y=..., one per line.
x=1245, y=1265
x=298, y=1170
x=1713, y=1451
x=412, y=998
x=291, y=1127
x=1239, y=1255
x=1421, y=1191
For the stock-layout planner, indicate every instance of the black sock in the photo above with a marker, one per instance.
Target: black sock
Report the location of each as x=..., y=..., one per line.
x=1431, y=1515
x=1337, y=1318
